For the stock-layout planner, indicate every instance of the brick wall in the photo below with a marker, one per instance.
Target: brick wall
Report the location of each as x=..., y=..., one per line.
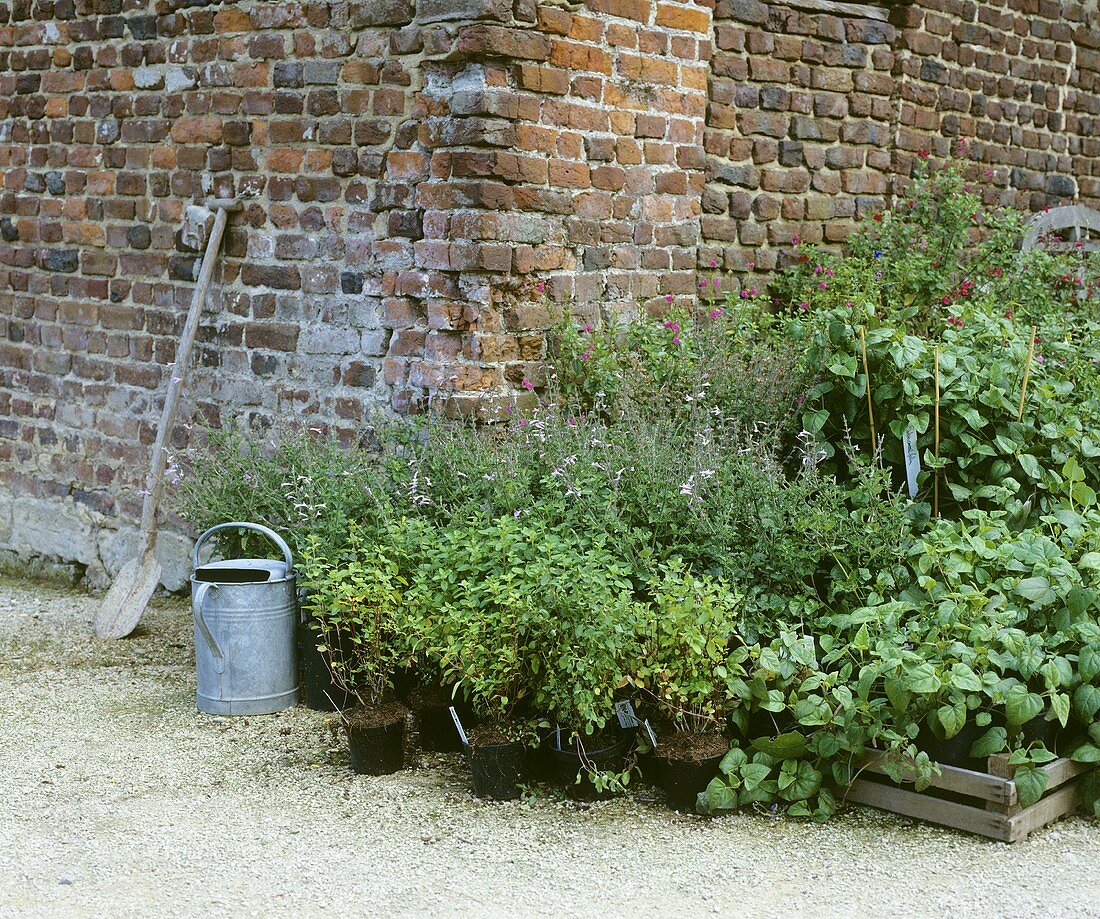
x=426, y=182
x=815, y=120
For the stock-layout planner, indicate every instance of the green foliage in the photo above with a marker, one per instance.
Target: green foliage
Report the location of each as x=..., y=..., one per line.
x=299, y=483
x=355, y=603
x=699, y=518
x=685, y=663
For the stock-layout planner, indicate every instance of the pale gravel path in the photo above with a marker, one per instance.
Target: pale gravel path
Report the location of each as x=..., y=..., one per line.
x=118, y=799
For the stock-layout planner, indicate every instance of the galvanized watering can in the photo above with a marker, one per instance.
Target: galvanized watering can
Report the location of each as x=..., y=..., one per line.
x=246, y=620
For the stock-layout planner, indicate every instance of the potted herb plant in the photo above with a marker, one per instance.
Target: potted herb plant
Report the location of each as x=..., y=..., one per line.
x=355, y=602
x=685, y=666
x=586, y=635
x=488, y=649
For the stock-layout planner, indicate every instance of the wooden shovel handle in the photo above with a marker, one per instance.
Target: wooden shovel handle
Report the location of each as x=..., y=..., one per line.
x=154, y=483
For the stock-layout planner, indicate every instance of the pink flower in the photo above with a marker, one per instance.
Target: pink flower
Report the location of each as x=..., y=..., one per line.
x=527, y=384
x=676, y=340
x=586, y=355
x=672, y=326
x=752, y=291
x=714, y=282
x=804, y=306
x=751, y=265
x=716, y=313
x=507, y=410
x=1039, y=358
x=713, y=263
x=542, y=287
x=587, y=329
x=822, y=286
x=668, y=298
x=703, y=282
x=523, y=422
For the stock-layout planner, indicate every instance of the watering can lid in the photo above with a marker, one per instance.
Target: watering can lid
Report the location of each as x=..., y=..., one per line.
x=276, y=570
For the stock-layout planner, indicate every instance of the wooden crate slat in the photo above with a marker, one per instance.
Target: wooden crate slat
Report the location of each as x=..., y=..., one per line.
x=923, y=807
x=964, y=781
x=997, y=812
x=1063, y=801
x=1062, y=770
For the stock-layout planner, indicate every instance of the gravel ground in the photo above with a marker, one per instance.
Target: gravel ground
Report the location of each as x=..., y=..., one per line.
x=119, y=799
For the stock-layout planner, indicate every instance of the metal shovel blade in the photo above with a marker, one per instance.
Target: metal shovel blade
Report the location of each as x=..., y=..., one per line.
x=128, y=597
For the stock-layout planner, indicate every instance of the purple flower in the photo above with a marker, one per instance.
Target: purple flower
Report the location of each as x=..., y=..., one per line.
x=716, y=313
x=668, y=298
x=527, y=384
x=676, y=340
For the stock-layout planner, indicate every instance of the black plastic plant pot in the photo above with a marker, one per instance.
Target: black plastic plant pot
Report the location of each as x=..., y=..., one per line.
x=376, y=739
x=317, y=690
x=604, y=753
x=496, y=770
x=683, y=779
x=1039, y=730
x=954, y=751
x=435, y=727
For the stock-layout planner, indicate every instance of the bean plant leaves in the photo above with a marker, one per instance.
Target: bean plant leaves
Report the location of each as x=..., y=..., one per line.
x=1037, y=590
x=922, y=679
x=1086, y=702
x=1088, y=664
x=1021, y=706
x=952, y=718
x=791, y=745
x=1031, y=782
x=992, y=741
x=1086, y=753
x=965, y=679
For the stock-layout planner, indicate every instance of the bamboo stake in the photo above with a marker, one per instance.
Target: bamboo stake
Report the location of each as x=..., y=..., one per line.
x=1027, y=373
x=936, y=486
x=870, y=405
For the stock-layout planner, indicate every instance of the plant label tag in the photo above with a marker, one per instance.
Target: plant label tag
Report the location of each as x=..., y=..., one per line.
x=652, y=734
x=624, y=711
x=912, y=458
x=458, y=724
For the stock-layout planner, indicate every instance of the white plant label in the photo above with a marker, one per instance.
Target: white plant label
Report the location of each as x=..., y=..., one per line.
x=458, y=724
x=912, y=458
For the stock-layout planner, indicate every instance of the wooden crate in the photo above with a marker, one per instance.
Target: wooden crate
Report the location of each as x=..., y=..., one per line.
x=977, y=802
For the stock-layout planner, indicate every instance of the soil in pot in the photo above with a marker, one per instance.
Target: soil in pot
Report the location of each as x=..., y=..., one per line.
x=317, y=690
x=496, y=763
x=603, y=751
x=1038, y=729
x=686, y=764
x=376, y=738
x=435, y=726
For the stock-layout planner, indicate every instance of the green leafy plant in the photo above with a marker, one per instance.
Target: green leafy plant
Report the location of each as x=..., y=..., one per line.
x=354, y=603
x=686, y=662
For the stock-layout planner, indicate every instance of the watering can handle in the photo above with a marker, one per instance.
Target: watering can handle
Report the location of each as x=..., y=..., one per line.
x=259, y=528
x=196, y=605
